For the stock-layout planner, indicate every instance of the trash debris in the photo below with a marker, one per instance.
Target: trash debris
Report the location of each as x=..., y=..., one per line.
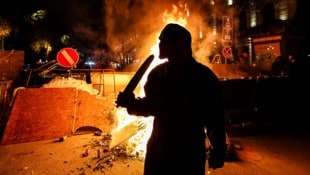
x=97, y=133
x=62, y=139
x=86, y=153
x=103, y=156
x=98, y=153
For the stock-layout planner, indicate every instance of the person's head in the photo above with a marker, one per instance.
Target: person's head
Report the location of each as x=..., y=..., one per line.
x=175, y=42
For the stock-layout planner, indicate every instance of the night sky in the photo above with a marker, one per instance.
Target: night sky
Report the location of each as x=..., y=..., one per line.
x=61, y=16
x=91, y=24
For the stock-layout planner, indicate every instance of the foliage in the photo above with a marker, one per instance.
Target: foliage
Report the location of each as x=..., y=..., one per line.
x=5, y=28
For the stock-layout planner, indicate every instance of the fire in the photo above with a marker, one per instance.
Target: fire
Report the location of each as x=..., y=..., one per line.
x=175, y=16
x=136, y=144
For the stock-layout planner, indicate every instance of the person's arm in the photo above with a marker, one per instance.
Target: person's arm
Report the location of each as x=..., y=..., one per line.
x=216, y=128
x=217, y=137
x=135, y=106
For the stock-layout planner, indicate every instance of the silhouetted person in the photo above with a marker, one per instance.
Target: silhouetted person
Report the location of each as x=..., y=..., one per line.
x=243, y=64
x=291, y=67
x=88, y=74
x=184, y=97
x=278, y=67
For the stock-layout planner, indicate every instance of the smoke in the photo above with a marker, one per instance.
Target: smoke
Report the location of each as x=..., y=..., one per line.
x=137, y=23
x=133, y=25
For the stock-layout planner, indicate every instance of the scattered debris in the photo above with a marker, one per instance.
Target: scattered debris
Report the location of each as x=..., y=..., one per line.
x=86, y=153
x=62, y=139
x=102, y=155
x=97, y=133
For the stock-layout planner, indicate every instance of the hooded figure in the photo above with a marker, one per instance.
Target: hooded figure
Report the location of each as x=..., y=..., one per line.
x=185, y=99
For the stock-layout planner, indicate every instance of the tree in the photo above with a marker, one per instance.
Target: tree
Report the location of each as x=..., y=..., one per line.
x=5, y=30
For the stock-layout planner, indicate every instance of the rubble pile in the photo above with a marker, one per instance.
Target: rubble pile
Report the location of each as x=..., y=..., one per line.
x=71, y=82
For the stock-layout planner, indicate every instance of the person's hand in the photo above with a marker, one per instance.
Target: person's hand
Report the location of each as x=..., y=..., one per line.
x=125, y=99
x=216, y=159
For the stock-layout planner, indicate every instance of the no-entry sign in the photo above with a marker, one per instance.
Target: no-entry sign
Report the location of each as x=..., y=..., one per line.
x=227, y=51
x=67, y=57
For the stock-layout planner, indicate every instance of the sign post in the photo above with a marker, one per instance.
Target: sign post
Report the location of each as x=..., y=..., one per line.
x=227, y=37
x=227, y=31
x=226, y=52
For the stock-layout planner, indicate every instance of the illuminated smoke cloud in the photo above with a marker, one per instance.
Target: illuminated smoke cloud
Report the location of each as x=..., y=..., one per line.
x=132, y=26
x=137, y=24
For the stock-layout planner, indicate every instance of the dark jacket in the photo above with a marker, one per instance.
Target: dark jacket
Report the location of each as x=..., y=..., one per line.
x=183, y=104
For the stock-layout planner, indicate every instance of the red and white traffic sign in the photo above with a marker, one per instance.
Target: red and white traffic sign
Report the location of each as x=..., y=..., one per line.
x=227, y=51
x=67, y=57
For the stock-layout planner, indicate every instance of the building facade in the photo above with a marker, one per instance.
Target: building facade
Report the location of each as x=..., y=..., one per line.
x=263, y=29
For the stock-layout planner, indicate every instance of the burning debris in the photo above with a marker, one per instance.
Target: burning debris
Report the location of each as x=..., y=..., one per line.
x=102, y=155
